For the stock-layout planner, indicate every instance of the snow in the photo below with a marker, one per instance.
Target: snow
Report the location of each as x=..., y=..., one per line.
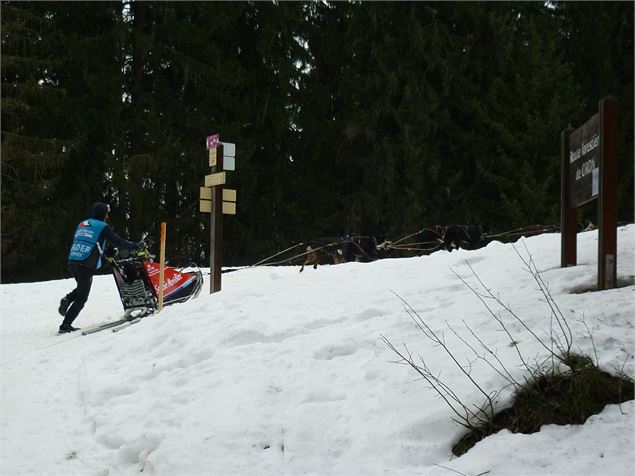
x=286, y=373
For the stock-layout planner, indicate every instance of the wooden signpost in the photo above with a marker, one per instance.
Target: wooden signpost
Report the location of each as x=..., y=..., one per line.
x=217, y=200
x=589, y=172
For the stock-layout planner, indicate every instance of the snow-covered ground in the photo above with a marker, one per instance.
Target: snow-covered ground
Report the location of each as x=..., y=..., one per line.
x=285, y=373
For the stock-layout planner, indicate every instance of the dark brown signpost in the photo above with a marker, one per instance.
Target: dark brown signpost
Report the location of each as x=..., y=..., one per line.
x=589, y=172
x=217, y=200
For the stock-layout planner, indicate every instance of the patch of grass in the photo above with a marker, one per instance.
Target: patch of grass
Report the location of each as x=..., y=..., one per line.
x=545, y=395
x=556, y=398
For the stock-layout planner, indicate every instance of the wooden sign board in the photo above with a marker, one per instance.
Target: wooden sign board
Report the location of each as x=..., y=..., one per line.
x=229, y=195
x=205, y=206
x=589, y=165
x=215, y=179
x=584, y=162
x=205, y=193
x=229, y=208
x=212, y=157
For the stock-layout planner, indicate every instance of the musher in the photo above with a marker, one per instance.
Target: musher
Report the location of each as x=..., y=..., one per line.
x=84, y=260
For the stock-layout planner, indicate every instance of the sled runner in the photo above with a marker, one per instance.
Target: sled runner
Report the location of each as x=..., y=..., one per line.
x=137, y=278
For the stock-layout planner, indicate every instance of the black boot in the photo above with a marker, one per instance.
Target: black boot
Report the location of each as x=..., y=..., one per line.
x=67, y=329
x=64, y=305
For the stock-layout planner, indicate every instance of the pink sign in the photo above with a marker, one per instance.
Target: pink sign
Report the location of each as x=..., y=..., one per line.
x=212, y=141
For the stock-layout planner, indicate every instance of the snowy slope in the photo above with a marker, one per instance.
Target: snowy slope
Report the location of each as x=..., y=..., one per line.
x=285, y=374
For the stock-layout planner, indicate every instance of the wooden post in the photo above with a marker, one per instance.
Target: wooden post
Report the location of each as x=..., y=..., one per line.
x=607, y=232
x=568, y=211
x=216, y=228
x=161, y=266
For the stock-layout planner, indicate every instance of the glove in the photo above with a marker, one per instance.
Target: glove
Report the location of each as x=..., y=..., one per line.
x=139, y=249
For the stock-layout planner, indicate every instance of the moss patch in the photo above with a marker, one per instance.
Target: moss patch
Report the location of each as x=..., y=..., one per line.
x=562, y=399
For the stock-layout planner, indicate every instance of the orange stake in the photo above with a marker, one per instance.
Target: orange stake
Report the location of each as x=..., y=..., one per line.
x=161, y=267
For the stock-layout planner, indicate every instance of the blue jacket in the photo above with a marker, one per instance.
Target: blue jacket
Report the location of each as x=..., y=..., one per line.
x=89, y=243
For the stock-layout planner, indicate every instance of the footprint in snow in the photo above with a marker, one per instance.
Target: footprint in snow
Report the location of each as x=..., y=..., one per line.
x=332, y=352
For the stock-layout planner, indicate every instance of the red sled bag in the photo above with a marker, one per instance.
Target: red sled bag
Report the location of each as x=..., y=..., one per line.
x=178, y=286
x=137, y=279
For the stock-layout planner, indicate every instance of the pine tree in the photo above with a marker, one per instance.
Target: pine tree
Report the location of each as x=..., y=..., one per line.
x=34, y=146
x=61, y=97
x=597, y=39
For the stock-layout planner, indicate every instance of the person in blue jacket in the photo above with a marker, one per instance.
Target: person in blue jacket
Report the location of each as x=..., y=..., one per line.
x=85, y=258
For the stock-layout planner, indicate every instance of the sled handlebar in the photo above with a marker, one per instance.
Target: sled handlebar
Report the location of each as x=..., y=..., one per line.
x=125, y=256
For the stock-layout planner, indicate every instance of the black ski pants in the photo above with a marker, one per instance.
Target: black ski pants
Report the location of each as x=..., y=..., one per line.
x=79, y=295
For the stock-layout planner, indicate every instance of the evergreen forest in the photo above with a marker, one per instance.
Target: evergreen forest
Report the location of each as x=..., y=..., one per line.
x=374, y=118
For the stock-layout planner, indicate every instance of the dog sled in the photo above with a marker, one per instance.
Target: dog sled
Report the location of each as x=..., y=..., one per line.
x=137, y=278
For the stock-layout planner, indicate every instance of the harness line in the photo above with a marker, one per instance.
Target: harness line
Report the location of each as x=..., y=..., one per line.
x=419, y=246
x=277, y=254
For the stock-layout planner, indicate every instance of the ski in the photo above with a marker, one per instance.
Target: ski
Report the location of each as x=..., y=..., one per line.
x=103, y=326
x=126, y=324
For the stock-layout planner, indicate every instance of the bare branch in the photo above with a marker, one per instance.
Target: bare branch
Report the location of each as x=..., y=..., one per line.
x=492, y=313
x=437, y=385
x=595, y=351
x=504, y=373
x=434, y=337
x=557, y=313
